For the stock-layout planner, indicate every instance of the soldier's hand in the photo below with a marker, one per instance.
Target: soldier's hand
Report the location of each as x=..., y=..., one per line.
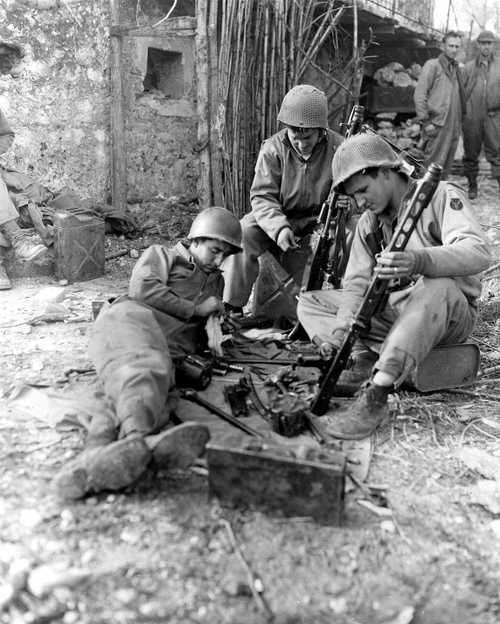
x=286, y=239
x=430, y=130
x=327, y=350
x=211, y=305
x=394, y=264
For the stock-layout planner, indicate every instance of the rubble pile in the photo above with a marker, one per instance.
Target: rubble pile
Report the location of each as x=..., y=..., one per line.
x=404, y=134
x=396, y=75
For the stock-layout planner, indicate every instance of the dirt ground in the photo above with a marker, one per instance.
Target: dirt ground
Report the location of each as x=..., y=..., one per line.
x=161, y=554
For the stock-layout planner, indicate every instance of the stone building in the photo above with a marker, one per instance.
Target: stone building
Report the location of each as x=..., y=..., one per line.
x=111, y=96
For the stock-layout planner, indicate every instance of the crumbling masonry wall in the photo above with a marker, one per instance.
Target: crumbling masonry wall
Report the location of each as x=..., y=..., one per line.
x=160, y=112
x=55, y=93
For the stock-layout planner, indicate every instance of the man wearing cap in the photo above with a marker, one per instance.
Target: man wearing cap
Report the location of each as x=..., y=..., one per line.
x=292, y=180
x=433, y=289
x=440, y=103
x=482, y=123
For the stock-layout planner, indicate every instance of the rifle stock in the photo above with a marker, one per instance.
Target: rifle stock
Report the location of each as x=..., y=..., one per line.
x=376, y=289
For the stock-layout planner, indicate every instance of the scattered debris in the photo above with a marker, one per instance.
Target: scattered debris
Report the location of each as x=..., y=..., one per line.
x=480, y=461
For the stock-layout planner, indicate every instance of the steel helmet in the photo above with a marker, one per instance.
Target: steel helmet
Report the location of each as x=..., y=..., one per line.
x=304, y=106
x=219, y=223
x=359, y=152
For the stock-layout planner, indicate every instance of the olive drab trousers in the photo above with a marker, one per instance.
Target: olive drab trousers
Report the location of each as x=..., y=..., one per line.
x=480, y=129
x=132, y=359
x=433, y=311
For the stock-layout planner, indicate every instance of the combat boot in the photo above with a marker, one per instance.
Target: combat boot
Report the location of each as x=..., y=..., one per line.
x=25, y=249
x=5, y=283
x=105, y=468
x=362, y=417
x=178, y=447
x=472, y=188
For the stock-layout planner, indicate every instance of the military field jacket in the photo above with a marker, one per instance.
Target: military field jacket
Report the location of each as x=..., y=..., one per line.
x=436, y=91
x=288, y=187
x=447, y=242
x=170, y=282
x=482, y=86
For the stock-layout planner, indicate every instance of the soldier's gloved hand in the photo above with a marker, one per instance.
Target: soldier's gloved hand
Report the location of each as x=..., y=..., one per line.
x=286, y=239
x=211, y=305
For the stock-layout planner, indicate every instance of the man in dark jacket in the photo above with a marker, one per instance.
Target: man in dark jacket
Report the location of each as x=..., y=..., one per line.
x=292, y=180
x=440, y=103
x=482, y=124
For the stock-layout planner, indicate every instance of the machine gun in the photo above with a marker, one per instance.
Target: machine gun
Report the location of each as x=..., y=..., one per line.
x=375, y=293
x=329, y=256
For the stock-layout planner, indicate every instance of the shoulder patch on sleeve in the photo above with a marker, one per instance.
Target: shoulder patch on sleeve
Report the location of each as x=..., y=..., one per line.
x=456, y=203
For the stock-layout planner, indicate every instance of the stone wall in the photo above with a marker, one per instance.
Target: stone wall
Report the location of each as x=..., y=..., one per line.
x=160, y=111
x=55, y=92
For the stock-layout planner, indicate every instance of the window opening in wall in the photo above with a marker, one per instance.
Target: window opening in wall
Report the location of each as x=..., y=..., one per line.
x=165, y=73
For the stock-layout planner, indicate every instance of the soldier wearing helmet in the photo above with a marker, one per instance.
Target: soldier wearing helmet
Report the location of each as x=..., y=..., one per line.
x=136, y=345
x=434, y=283
x=481, y=126
x=292, y=180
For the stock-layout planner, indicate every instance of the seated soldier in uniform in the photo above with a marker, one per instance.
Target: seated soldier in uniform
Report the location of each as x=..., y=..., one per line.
x=135, y=344
x=433, y=298
x=292, y=180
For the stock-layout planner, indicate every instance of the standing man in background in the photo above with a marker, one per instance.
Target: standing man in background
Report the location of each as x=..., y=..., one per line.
x=292, y=180
x=482, y=123
x=440, y=103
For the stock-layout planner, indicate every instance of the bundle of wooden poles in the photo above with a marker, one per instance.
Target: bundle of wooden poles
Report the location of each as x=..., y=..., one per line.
x=256, y=51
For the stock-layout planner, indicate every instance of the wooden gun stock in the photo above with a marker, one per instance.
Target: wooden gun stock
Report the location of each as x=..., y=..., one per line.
x=377, y=287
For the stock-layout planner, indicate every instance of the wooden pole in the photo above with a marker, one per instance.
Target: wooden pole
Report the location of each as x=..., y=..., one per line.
x=118, y=144
x=214, y=112
x=202, y=72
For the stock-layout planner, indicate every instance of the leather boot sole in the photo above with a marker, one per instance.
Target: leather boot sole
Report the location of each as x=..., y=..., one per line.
x=112, y=468
x=178, y=447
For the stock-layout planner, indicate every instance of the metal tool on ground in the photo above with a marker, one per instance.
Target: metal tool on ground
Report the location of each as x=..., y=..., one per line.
x=194, y=372
x=255, y=582
x=236, y=395
x=193, y=396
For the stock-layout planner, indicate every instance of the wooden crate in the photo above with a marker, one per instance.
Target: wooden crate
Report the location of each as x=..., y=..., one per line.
x=269, y=480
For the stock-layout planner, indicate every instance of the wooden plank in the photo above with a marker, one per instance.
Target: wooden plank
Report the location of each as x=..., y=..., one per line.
x=118, y=143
